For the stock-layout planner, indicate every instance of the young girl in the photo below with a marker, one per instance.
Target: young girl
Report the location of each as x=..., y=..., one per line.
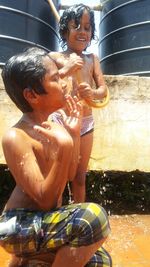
x=84, y=78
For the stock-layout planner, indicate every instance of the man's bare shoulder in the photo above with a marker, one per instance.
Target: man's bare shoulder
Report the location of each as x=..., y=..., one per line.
x=14, y=138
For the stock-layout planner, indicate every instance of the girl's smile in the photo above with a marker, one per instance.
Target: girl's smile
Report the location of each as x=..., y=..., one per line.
x=79, y=36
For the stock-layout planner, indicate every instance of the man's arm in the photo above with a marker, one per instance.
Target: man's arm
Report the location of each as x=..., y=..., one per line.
x=24, y=166
x=72, y=123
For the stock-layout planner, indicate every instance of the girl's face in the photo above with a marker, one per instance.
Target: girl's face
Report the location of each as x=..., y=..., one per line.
x=79, y=37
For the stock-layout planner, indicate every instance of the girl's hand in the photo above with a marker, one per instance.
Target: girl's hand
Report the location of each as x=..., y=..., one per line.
x=85, y=91
x=74, y=63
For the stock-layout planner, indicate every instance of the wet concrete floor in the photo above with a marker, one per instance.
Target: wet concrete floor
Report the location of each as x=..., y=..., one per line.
x=128, y=244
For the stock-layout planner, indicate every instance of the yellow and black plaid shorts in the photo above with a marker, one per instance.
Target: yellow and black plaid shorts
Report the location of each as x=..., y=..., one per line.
x=74, y=225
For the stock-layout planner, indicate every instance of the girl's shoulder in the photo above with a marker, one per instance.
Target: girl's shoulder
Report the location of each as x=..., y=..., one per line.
x=90, y=56
x=55, y=55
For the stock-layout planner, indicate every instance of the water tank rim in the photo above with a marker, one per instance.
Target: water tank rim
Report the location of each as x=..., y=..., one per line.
x=136, y=73
x=125, y=51
x=2, y=64
x=23, y=41
x=118, y=7
x=124, y=28
x=30, y=16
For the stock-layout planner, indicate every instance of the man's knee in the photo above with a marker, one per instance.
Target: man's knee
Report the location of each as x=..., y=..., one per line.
x=91, y=224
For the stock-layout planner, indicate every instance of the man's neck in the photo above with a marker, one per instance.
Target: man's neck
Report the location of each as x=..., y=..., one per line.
x=34, y=118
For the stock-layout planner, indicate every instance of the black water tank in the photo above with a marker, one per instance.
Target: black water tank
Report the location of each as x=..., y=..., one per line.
x=24, y=23
x=125, y=37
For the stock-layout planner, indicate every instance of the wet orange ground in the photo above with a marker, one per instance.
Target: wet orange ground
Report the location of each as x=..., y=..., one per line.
x=128, y=244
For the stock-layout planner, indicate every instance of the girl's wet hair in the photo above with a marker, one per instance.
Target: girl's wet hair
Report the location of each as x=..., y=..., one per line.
x=75, y=12
x=24, y=70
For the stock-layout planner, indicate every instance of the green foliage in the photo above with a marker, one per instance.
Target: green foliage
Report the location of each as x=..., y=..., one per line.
x=118, y=192
x=7, y=184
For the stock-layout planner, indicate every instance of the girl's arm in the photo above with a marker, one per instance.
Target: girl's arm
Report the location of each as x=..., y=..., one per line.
x=101, y=90
x=67, y=65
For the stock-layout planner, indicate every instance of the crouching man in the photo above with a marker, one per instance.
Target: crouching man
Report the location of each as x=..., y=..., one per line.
x=42, y=156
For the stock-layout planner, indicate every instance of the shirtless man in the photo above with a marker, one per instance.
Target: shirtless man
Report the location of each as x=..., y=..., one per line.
x=42, y=156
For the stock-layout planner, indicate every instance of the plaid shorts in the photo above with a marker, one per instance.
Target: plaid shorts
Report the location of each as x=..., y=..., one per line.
x=37, y=232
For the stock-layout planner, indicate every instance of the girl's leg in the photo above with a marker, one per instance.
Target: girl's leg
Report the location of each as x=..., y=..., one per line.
x=78, y=184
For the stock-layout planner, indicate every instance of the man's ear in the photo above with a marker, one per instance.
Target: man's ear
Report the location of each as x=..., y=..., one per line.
x=30, y=95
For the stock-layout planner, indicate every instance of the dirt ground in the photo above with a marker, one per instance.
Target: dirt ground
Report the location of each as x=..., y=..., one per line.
x=129, y=240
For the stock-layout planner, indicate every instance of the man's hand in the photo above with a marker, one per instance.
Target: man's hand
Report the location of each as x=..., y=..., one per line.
x=72, y=115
